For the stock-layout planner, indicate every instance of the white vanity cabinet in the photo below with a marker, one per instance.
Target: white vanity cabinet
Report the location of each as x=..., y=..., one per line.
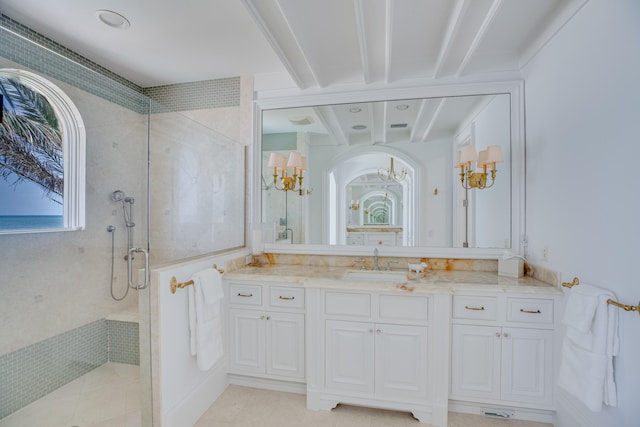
x=267, y=328
x=502, y=350
x=372, y=349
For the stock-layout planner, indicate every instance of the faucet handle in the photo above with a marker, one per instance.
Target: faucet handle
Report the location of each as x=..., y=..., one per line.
x=361, y=260
x=389, y=262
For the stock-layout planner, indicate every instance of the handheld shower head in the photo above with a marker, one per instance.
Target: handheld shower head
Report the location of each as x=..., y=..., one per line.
x=117, y=196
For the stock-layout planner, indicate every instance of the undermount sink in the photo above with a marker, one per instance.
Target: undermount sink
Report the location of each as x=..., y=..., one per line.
x=376, y=276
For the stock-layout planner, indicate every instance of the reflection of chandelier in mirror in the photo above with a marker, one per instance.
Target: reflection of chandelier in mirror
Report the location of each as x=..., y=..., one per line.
x=280, y=164
x=486, y=158
x=390, y=174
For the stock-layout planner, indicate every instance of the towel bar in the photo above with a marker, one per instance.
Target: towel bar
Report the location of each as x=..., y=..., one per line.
x=571, y=284
x=625, y=307
x=174, y=284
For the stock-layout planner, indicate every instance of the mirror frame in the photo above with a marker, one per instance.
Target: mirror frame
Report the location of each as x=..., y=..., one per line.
x=515, y=88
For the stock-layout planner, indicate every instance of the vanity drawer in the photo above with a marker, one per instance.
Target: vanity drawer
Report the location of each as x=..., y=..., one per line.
x=245, y=294
x=280, y=296
x=347, y=304
x=403, y=308
x=473, y=307
x=530, y=310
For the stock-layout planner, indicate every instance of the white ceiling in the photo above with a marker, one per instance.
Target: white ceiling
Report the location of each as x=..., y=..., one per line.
x=304, y=43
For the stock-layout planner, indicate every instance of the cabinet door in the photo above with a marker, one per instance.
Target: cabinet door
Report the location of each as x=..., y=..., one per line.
x=475, y=361
x=285, y=344
x=401, y=361
x=247, y=341
x=349, y=356
x=526, y=367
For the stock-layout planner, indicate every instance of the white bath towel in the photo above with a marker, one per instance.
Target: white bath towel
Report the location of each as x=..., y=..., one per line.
x=205, y=318
x=586, y=369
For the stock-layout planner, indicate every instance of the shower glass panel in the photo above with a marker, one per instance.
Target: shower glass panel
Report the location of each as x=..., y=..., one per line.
x=197, y=188
x=62, y=331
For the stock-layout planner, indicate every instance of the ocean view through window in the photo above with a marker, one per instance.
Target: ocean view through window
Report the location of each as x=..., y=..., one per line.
x=42, y=143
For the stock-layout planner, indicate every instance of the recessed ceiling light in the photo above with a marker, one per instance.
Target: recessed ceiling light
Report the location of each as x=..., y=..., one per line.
x=355, y=109
x=402, y=106
x=358, y=127
x=112, y=19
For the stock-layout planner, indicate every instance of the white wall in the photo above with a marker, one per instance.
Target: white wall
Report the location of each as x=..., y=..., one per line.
x=582, y=110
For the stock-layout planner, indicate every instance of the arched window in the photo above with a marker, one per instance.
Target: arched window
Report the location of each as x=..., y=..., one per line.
x=42, y=156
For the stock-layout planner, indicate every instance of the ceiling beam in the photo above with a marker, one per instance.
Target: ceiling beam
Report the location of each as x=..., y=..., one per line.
x=362, y=40
x=455, y=23
x=486, y=23
x=428, y=117
x=329, y=120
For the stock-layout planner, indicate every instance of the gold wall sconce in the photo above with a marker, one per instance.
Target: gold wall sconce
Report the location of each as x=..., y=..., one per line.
x=354, y=205
x=297, y=162
x=487, y=158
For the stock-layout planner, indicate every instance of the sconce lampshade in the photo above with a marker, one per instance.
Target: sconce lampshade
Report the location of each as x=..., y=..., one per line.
x=295, y=160
x=468, y=154
x=482, y=158
x=277, y=160
x=494, y=154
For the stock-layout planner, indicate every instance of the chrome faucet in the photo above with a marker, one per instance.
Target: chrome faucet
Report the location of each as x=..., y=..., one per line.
x=375, y=259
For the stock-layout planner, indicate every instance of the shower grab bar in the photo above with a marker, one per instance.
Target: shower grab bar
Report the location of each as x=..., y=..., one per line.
x=130, y=253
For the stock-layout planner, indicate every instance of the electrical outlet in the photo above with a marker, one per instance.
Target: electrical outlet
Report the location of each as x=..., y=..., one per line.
x=545, y=253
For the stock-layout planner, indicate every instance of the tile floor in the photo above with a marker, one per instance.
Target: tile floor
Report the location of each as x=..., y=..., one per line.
x=248, y=407
x=108, y=396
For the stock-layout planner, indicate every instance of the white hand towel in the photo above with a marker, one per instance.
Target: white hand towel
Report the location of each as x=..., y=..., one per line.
x=581, y=307
x=211, y=284
x=586, y=369
x=205, y=319
x=192, y=319
x=582, y=373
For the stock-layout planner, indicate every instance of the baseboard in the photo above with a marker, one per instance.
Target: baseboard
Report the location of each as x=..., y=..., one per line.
x=268, y=384
x=189, y=410
x=526, y=414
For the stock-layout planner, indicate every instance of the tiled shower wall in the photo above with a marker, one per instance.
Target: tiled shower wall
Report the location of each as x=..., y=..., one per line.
x=35, y=371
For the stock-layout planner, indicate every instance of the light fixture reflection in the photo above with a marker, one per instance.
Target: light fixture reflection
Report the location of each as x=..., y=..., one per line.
x=391, y=174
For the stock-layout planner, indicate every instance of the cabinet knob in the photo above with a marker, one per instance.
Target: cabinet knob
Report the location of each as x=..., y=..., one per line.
x=506, y=334
x=268, y=317
x=379, y=331
x=261, y=317
x=370, y=331
x=498, y=334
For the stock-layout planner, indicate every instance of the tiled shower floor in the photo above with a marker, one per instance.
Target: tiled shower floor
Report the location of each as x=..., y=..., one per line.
x=108, y=396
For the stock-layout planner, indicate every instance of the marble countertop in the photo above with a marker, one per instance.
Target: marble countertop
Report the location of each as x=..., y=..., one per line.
x=431, y=281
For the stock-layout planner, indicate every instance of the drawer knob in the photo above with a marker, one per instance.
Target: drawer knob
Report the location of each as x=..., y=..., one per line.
x=522, y=310
x=286, y=298
x=506, y=334
x=245, y=295
x=474, y=308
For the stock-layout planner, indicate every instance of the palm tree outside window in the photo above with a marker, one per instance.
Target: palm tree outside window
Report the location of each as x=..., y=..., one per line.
x=33, y=147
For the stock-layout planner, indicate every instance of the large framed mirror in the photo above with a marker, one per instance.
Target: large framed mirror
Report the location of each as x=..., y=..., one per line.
x=379, y=169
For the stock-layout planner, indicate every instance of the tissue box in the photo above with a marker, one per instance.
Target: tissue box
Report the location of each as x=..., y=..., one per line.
x=511, y=267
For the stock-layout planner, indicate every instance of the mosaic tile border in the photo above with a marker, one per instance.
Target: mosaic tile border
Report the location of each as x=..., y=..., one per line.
x=27, y=47
x=34, y=371
x=24, y=46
